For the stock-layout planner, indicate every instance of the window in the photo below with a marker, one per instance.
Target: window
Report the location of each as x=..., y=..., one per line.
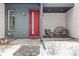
x=32, y=22
x=11, y=20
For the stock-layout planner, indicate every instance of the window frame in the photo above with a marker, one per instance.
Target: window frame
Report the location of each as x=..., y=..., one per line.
x=9, y=29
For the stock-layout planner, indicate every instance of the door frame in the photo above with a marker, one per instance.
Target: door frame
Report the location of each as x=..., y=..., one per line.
x=39, y=21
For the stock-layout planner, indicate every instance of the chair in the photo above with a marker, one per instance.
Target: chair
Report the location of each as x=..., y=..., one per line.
x=60, y=32
x=48, y=33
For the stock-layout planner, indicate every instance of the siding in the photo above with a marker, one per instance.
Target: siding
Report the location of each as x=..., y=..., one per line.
x=21, y=22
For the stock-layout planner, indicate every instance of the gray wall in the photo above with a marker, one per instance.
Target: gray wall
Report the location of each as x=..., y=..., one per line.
x=58, y=4
x=21, y=22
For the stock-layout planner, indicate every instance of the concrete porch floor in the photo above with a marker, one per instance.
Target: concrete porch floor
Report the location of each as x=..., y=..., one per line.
x=37, y=41
x=27, y=41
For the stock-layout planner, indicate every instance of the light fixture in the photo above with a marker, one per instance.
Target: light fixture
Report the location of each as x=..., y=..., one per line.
x=24, y=13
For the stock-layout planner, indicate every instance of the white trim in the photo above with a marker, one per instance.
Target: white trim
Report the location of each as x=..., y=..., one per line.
x=9, y=20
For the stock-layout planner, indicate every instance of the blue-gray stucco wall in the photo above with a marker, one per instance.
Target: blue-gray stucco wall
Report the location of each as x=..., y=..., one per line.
x=21, y=21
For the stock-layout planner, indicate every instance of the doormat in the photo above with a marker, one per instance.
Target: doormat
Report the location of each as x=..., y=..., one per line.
x=28, y=50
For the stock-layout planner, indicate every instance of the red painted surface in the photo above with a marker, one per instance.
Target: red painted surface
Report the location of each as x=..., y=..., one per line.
x=36, y=23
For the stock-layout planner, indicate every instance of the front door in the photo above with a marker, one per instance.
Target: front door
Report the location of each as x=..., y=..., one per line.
x=34, y=23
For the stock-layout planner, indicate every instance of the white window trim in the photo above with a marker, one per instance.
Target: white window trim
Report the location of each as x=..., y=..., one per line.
x=9, y=20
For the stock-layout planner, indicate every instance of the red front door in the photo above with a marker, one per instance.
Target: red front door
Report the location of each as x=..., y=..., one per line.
x=34, y=23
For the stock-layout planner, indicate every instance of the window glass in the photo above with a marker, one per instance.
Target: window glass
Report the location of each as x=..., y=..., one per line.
x=11, y=20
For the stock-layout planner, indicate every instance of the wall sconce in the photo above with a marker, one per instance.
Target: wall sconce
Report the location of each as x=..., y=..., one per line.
x=24, y=13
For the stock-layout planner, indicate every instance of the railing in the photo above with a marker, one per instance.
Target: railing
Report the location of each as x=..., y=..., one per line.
x=42, y=41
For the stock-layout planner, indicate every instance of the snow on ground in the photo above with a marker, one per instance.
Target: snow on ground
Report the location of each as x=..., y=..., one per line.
x=10, y=50
x=53, y=48
x=62, y=48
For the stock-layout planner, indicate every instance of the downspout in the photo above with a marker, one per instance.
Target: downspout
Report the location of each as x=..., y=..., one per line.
x=41, y=29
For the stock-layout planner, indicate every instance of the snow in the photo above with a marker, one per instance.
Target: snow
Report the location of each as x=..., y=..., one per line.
x=53, y=48
x=62, y=48
x=9, y=51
